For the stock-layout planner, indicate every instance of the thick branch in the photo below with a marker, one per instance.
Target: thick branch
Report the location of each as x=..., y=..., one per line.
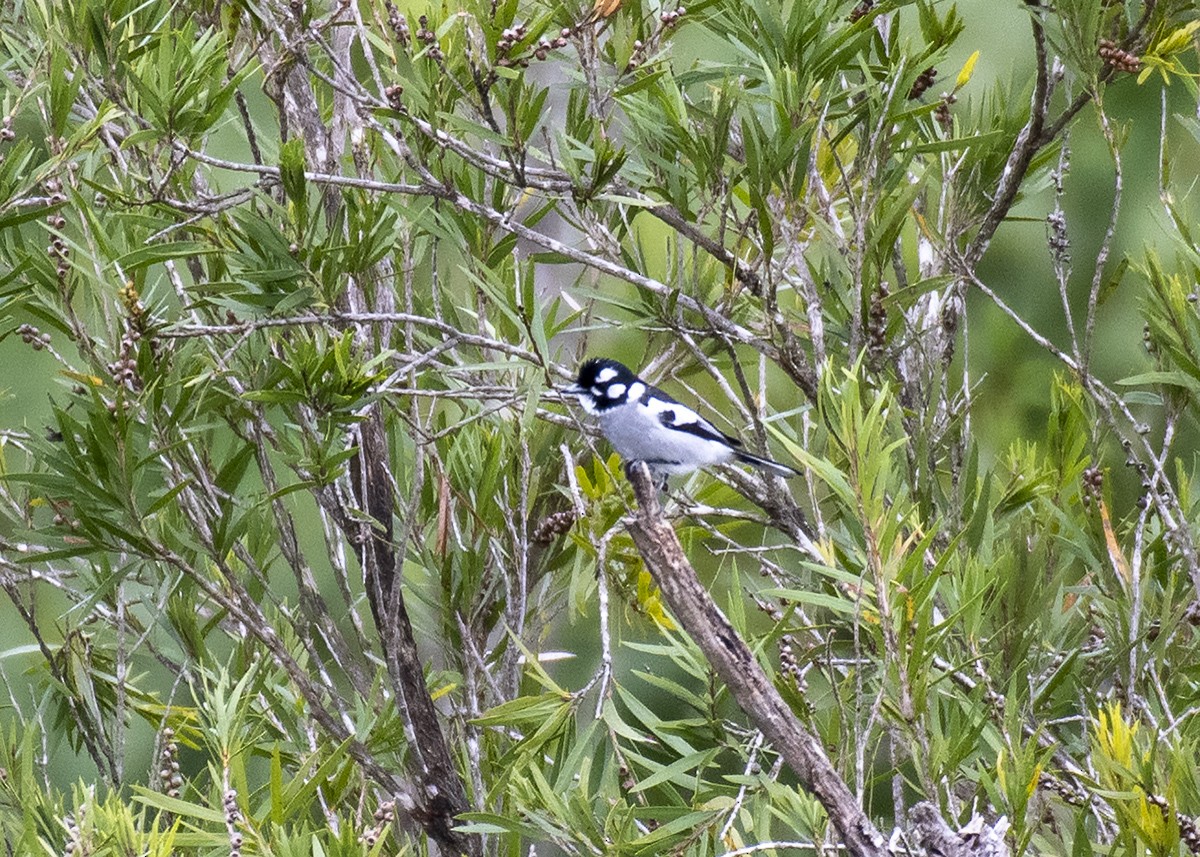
x=737, y=667
x=975, y=840
x=442, y=794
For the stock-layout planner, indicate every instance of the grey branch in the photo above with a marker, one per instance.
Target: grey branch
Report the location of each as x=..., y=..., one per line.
x=977, y=839
x=735, y=664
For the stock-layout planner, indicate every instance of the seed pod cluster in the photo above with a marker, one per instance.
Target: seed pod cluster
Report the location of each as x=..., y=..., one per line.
x=942, y=112
x=399, y=24
x=33, y=337
x=670, y=19
x=384, y=816
x=513, y=35
x=923, y=83
x=428, y=38
x=1093, y=484
x=860, y=11
x=233, y=817
x=789, y=665
x=168, y=774
x=552, y=526
x=125, y=368
x=74, y=845
x=58, y=251
x=877, y=320
x=1118, y=58
x=1060, y=243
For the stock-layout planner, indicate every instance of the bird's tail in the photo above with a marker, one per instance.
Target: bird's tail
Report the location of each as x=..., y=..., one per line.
x=766, y=464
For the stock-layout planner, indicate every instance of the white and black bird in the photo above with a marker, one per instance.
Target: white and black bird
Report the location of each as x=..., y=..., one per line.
x=645, y=424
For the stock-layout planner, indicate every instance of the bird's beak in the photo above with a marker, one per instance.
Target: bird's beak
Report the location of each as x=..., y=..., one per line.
x=572, y=390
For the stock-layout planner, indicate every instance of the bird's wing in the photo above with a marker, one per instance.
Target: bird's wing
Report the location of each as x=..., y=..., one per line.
x=678, y=416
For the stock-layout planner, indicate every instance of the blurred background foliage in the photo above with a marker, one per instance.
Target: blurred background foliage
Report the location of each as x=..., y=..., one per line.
x=237, y=238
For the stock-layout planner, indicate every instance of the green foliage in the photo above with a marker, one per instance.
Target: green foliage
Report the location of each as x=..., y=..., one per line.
x=300, y=281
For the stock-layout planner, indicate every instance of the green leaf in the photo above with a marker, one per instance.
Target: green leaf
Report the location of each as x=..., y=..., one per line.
x=292, y=166
x=1167, y=378
x=179, y=807
x=488, y=823
x=462, y=125
x=835, y=603
x=522, y=710
x=298, y=794
x=155, y=253
x=954, y=144
x=675, y=771
x=166, y=499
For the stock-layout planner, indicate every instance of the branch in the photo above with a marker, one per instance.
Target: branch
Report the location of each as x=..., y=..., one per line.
x=1028, y=141
x=1129, y=43
x=1161, y=491
x=1038, y=132
x=559, y=182
x=975, y=840
x=716, y=321
x=90, y=726
x=335, y=318
x=735, y=664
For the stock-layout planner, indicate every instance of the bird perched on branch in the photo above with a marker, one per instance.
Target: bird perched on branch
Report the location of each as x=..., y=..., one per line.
x=645, y=424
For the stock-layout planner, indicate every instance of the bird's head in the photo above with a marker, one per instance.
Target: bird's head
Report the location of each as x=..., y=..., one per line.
x=602, y=383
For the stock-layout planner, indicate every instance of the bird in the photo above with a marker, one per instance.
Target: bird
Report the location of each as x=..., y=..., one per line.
x=645, y=424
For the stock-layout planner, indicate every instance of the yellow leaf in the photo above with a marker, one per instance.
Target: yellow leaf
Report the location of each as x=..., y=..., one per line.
x=1032, y=785
x=650, y=600
x=602, y=9
x=442, y=691
x=84, y=379
x=1114, y=736
x=1114, y=549
x=968, y=68
x=1178, y=40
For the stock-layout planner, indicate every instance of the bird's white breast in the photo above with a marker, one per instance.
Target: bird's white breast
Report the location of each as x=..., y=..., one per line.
x=636, y=432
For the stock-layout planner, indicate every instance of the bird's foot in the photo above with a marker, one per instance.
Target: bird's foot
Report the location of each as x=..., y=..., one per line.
x=660, y=479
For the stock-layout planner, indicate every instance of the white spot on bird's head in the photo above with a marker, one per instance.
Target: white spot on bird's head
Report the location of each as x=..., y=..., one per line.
x=606, y=374
x=616, y=391
x=636, y=390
